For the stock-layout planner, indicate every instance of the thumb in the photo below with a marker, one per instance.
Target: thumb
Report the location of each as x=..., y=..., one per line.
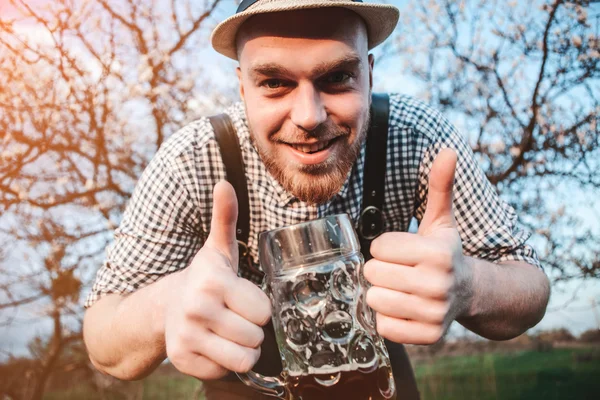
x=222, y=235
x=439, y=211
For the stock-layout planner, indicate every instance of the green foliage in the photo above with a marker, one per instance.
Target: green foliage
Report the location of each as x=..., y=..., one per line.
x=156, y=387
x=559, y=374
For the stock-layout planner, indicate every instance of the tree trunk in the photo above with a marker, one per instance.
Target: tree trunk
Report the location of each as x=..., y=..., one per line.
x=54, y=349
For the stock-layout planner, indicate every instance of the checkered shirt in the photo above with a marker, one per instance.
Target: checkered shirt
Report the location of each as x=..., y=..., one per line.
x=168, y=216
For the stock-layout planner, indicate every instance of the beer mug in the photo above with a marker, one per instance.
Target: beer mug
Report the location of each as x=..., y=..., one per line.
x=324, y=328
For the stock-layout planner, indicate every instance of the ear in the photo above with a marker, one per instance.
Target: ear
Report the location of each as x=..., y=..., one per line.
x=238, y=72
x=371, y=65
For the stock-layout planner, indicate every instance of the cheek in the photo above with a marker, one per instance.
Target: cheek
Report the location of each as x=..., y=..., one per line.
x=265, y=116
x=350, y=110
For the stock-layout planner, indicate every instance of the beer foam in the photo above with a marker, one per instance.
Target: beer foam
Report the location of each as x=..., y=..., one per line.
x=327, y=369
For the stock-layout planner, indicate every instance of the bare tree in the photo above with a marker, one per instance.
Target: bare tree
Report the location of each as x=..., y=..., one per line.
x=522, y=80
x=88, y=92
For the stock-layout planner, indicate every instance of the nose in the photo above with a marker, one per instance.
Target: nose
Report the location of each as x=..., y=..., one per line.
x=308, y=111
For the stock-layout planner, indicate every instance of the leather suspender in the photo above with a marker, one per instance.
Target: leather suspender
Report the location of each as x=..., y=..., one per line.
x=236, y=175
x=370, y=224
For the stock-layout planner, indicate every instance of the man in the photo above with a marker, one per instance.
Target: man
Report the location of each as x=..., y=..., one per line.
x=169, y=287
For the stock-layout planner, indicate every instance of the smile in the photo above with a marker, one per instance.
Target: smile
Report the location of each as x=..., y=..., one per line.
x=312, y=148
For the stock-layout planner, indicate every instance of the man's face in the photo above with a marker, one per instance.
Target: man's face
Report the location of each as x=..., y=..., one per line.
x=305, y=78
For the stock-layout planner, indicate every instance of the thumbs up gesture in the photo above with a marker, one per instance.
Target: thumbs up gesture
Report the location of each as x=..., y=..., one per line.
x=421, y=282
x=213, y=317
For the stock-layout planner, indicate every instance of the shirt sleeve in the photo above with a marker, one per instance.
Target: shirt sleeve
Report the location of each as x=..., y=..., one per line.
x=487, y=225
x=159, y=234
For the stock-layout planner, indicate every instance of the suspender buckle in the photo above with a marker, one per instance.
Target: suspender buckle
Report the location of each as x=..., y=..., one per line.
x=243, y=249
x=370, y=224
x=245, y=260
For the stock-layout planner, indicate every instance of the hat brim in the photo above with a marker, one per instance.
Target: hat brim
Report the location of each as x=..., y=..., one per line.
x=381, y=20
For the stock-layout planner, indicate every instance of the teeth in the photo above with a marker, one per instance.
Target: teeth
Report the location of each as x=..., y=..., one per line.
x=311, y=148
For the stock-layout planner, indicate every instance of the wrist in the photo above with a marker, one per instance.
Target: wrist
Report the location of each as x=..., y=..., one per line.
x=467, y=289
x=160, y=301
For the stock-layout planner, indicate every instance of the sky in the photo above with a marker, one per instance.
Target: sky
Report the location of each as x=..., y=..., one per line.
x=571, y=305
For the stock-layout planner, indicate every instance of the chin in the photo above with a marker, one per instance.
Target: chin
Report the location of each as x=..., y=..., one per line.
x=312, y=183
x=314, y=187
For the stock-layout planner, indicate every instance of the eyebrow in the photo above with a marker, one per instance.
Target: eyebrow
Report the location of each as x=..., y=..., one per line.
x=272, y=69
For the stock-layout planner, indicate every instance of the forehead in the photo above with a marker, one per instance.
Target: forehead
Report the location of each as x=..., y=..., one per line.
x=331, y=29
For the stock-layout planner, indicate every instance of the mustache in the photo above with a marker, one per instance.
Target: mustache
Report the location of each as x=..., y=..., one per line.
x=321, y=133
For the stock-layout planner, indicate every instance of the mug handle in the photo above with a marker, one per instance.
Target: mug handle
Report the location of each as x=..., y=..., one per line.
x=269, y=385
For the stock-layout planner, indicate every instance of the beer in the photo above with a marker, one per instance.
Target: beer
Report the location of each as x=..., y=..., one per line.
x=356, y=384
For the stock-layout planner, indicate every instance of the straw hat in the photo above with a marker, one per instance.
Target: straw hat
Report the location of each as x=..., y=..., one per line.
x=381, y=19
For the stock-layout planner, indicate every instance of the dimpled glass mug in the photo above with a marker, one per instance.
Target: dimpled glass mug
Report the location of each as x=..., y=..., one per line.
x=325, y=331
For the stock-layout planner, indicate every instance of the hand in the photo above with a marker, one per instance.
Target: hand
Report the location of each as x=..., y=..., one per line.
x=213, y=317
x=421, y=282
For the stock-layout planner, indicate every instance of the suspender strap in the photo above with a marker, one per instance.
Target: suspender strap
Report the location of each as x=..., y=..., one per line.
x=370, y=224
x=234, y=168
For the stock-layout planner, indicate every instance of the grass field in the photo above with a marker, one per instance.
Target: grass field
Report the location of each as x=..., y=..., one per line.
x=558, y=374
x=553, y=375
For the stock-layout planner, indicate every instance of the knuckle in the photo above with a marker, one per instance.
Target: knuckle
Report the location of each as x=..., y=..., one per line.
x=184, y=340
x=211, y=282
x=387, y=329
x=442, y=286
x=179, y=364
x=382, y=326
x=202, y=308
x=265, y=314
x=191, y=309
x=177, y=356
x=259, y=337
x=370, y=271
x=375, y=246
x=434, y=334
x=445, y=257
x=382, y=300
x=371, y=297
x=380, y=243
x=264, y=318
x=213, y=371
x=438, y=313
x=246, y=360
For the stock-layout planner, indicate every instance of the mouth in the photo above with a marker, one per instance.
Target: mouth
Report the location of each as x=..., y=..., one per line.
x=310, y=153
x=313, y=148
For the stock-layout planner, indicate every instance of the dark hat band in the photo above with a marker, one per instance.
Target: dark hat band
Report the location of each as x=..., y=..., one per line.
x=247, y=3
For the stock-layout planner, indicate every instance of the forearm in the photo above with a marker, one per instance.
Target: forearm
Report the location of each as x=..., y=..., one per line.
x=124, y=335
x=507, y=298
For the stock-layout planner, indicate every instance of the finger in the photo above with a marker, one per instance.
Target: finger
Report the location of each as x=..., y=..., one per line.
x=404, y=248
x=233, y=327
x=389, y=275
x=438, y=210
x=226, y=353
x=406, y=306
x=249, y=301
x=426, y=282
x=222, y=236
x=408, y=332
x=199, y=367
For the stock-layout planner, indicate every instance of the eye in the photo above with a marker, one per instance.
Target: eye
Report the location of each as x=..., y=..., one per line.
x=273, y=83
x=337, y=77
